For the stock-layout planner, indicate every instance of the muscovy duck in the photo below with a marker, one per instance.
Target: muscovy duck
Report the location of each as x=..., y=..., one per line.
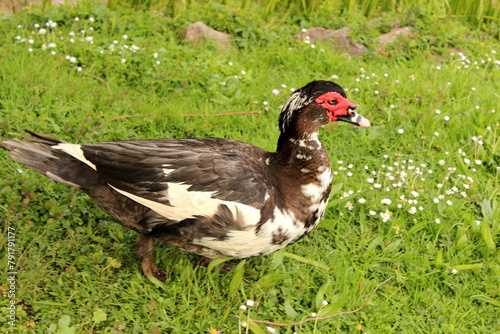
x=210, y=196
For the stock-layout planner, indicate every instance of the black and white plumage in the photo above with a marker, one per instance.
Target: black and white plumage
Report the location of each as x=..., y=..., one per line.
x=211, y=196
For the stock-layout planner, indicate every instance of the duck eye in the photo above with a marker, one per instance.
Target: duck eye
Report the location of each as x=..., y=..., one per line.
x=333, y=102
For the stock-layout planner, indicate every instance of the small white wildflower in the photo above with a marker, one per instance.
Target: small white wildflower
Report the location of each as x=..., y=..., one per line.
x=276, y=92
x=478, y=162
x=349, y=206
x=454, y=271
x=313, y=314
x=270, y=329
x=446, y=118
x=438, y=111
x=155, y=55
x=442, y=162
x=449, y=202
x=36, y=25
x=72, y=59
x=79, y=69
x=437, y=220
x=412, y=210
x=386, y=216
x=77, y=19
x=89, y=38
x=466, y=161
x=250, y=302
x=362, y=200
x=372, y=213
x=124, y=36
x=42, y=31
x=436, y=200
x=436, y=133
x=124, y=60
x=401, y=131
x=324, y=302
x=377, y=185
x=243, y=307
x=386, y=201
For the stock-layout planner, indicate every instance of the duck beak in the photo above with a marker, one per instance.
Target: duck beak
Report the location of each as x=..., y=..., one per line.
x=354, y=118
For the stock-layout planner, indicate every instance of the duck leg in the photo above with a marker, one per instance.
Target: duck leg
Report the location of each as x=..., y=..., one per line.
x=144, y=251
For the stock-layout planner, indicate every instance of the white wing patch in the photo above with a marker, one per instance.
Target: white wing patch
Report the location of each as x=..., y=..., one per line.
x=188, y=204
x=75, y=151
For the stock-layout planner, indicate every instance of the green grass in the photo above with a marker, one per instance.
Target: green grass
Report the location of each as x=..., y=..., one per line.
x=434, y=139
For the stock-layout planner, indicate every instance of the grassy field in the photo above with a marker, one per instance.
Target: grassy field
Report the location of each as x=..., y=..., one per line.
x=415, y=199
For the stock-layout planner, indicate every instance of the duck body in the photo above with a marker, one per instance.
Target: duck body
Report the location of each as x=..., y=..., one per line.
x=211, y=196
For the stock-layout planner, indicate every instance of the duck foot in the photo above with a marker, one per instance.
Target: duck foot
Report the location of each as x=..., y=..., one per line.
x=144, y=251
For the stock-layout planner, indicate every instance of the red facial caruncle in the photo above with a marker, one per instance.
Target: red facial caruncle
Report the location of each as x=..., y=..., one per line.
x=336, y=104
